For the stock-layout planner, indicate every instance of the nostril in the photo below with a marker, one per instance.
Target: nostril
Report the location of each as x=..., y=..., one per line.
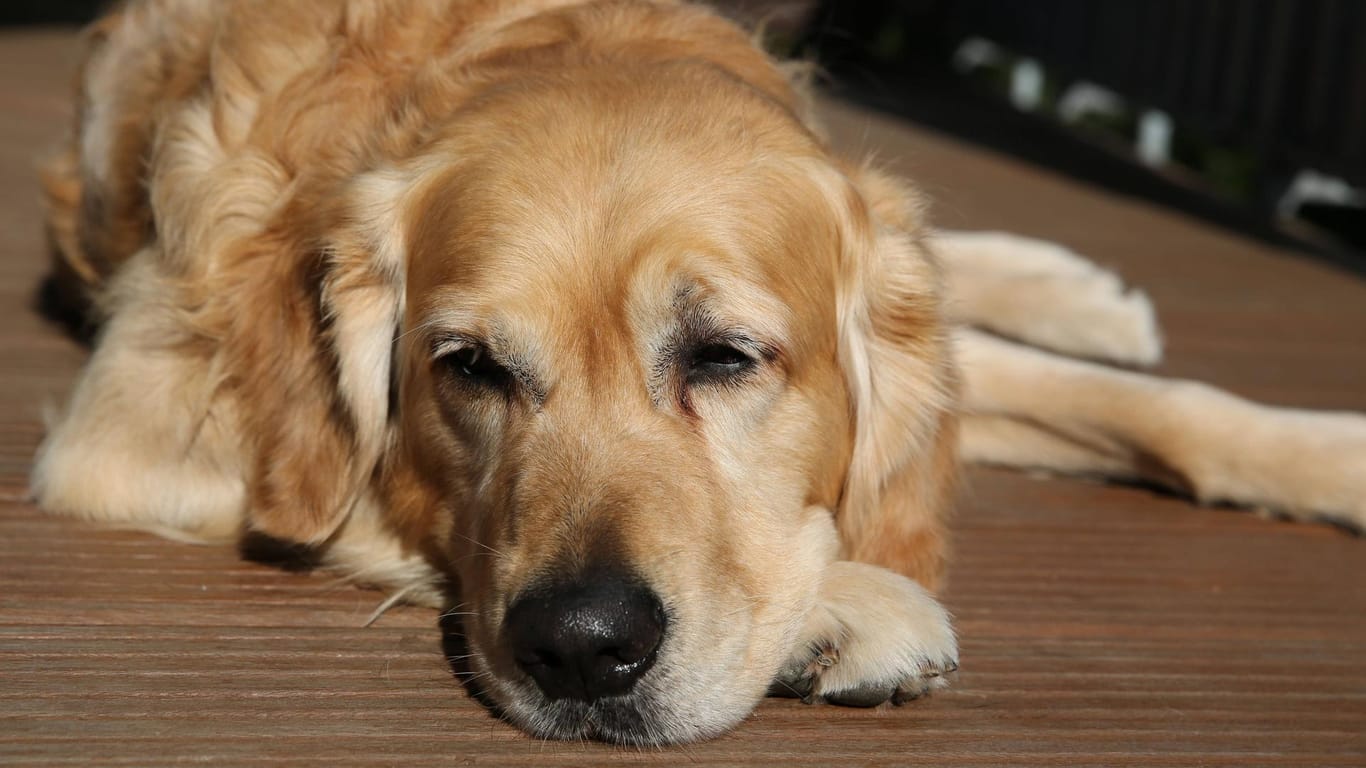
x=586, y=640
x=627, y=654
x=538, y=656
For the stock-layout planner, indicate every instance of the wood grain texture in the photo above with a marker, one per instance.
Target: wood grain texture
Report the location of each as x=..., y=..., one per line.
x=1100, y=626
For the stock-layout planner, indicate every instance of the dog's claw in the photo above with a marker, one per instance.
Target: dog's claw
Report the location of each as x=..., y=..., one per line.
x=945, y=667
x=905, y=694
x=787, y=687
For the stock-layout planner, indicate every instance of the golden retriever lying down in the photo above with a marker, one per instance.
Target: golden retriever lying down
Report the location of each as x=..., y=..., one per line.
x=562, y=314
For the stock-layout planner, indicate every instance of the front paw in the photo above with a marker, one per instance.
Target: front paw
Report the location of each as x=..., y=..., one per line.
x=873, y=636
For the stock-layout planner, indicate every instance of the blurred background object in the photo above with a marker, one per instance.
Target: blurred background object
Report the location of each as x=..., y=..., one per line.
x=1247, y=113
x=13, y=12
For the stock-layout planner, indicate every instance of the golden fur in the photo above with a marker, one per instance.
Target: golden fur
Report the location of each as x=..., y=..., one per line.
x=305, y=223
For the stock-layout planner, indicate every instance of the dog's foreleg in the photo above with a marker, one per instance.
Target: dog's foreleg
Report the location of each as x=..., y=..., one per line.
x=1028, y=408
x=1045, y=295
x=873, y=636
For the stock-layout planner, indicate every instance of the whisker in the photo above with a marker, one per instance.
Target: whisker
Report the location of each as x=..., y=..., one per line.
x=389, y=602
x=480, y=544
x=414, y=329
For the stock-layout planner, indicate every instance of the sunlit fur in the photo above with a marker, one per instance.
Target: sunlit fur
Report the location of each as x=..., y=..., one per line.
x=287, y=211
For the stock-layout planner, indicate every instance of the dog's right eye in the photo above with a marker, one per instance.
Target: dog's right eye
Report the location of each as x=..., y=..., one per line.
x=475, y=365
x=716, y=362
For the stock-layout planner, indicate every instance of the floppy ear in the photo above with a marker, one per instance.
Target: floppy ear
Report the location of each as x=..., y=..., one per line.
x=314, y=365
x=895, y=353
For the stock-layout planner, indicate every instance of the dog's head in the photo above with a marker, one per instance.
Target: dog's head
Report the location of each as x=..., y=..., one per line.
x=632, y=358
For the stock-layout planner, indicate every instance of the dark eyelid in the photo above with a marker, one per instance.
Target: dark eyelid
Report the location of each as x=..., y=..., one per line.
x=699, y=367
x=758, y=351
x=517, y=368
x=474, y=365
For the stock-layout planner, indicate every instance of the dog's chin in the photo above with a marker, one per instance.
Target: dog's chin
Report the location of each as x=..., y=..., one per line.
x=673, y=703
x=630, y=719
x=643, y=717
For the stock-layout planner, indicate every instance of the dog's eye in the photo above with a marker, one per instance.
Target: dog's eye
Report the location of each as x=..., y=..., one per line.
x=711, y=362
x=474, y=364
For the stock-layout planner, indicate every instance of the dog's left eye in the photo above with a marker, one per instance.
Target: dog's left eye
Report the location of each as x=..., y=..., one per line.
x=475, y=364
x=711, y=362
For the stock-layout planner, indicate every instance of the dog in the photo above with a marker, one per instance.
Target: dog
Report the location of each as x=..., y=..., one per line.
x=561, y=314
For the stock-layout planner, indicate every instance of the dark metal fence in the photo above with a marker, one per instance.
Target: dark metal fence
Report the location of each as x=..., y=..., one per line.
x=49, y=11
x=1285, y=79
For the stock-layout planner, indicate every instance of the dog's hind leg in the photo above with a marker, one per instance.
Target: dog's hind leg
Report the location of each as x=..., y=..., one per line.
x=1045, y=295
x=1031, y=409
x=143, y=442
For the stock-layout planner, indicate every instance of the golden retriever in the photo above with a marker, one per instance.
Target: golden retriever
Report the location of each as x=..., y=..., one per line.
x=561, y=313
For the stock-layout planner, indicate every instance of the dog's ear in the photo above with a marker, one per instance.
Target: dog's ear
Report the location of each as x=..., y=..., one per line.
x=313, y=368
x=895, y=353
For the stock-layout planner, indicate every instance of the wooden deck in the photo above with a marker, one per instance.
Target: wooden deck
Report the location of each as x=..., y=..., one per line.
x=1101, y=626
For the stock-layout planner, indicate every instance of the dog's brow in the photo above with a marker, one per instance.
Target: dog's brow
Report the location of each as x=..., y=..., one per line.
x=702, y=314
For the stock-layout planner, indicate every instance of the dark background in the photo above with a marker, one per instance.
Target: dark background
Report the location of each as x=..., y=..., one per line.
x=49, y=11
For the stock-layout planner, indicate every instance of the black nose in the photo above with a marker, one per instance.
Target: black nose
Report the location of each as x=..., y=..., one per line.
x=586, y=640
